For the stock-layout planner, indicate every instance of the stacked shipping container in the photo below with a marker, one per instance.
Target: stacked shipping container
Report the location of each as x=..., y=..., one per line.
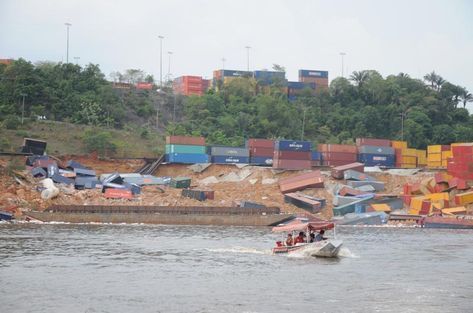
x=187, y=150
x=261, y=151
x=229, y=155
x=375, y=152
x=319, y=78
x=461, y=163
x=191, y=85
x=437, y=156
x=290, y=154
x=336, y=155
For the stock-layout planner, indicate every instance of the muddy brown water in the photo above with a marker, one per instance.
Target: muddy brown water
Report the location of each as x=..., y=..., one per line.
x=153, y=268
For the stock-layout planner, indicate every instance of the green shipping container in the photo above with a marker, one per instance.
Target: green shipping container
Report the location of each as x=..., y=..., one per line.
x=186, y=149
x=180, y=182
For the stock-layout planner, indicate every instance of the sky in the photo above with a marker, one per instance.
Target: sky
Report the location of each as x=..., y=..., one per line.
x=414, y=37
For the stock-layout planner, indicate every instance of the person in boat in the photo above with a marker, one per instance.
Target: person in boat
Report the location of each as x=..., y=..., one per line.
x=320, y=236
x=289, y=240
x=300, y=238
x=312, y=237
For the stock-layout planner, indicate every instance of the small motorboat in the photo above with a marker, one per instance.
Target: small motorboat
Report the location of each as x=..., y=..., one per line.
x=327, y=248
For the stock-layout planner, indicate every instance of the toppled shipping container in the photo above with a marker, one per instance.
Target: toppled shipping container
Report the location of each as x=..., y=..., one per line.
x=337, y=172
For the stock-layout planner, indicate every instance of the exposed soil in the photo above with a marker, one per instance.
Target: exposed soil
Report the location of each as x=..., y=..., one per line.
x=27, y=196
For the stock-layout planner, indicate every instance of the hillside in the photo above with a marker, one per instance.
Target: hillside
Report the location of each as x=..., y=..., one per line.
x=68, y=139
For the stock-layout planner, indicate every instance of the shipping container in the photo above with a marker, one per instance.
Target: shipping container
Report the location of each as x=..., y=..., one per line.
x=316, y=156
x=269, y=75
x=292, y=145
x=376, y=150
x=187, y=158
x=434, y=149
x=336, y=162
x=313, y=73
x=292, y=164
x=460, y=150
x=230, y=151
x=260, y=143
x=339, y=156
x=185, y=140
x=396, y=144
x=373, y=142
x=230, y=159
x=262, y=152
x=337, y=148
x=300, y=85
x=256, y=160
x=377, y=160
x=409, y=152
x=186, y=149
x=292, y=155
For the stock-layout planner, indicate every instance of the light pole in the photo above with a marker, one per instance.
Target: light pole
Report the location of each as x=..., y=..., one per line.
x=23, y=108
x=248, y=58
x=67, y=47
x=169, y=65
x=342, y=55
x=77, y=60
x=161, y=60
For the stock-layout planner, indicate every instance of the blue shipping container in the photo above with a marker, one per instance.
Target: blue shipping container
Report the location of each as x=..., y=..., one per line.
x=292, y=145
x=316, y=156
x=228, y=159
x=232, y=73
x=261, y=161
x=269, y=74
x=187, y=158
x=313, y=73
x=377, y=159
x=300, y=85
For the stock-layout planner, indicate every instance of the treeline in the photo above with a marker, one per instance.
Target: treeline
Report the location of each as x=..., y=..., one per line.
x=365, y=105
x=428, y=111
x=71, y=93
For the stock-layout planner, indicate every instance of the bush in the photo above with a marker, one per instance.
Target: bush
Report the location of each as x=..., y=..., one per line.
x=101, y=142
x=5, y=144
x=22, y=133
x=11, y=122
x=144, y=133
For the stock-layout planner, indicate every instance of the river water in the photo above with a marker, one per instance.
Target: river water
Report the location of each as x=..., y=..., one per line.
x=141, y=268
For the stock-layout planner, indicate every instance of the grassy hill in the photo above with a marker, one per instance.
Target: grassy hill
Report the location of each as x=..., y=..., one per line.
x=65, y=138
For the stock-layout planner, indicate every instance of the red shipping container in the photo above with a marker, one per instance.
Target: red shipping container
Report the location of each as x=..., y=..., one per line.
x=337, y=172
x=425, y=208
x=261, y=152
x=348, y=191
x=260, y=143
x=339, y=156
x=407, y=199
x=210, y=194
x=292, y=164
x=445, y=148
x=337, y=148
x=295, y=178
x=463, y=150
x=293, y=155
x=185, y=140
x=373, y=142
x=316, y=163
x=113, y=193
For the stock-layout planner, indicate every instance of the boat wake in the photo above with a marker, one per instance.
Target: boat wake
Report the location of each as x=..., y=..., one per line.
x=242, y=250
x=346, y=253
x=308, y=252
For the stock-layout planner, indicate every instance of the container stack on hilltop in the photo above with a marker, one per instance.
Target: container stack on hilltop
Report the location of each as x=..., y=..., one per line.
x=292, y=154
x=375, y=152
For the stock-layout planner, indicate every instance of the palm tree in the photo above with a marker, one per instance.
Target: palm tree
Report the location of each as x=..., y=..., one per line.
x=439, y=82
x=466, y=97
x=403, y=75
x=359, y=77
x=431, y=78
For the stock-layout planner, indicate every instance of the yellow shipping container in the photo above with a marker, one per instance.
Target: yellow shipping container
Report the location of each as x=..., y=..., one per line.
x=409, y=160
x=434, y=149
x=382, y=207
x=464, y=198
x=456, y=210
x=416, y=202
x=421, y=157
x=409, y=152
x=413, y=212
x=434, y=157
x=446, y=154
x=433, y=164
x=408, y=165
x=440, y=196
x=397, y=144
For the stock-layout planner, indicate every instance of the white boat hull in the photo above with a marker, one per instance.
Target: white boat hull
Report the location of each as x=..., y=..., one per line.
x=325, y=248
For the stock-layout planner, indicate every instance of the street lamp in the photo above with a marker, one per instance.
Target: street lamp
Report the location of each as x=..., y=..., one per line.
x=67, y=47
x=161, y=60
x=169, y=65
x=342, y=55
x=23, y=108
x=248, y=58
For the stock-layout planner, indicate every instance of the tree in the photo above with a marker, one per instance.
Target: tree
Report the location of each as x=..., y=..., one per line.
x=279, y=68
x=431, y=78
x=359, y=78
x=465, y=96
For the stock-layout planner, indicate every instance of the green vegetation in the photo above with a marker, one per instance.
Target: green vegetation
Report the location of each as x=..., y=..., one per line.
x=123, y=121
